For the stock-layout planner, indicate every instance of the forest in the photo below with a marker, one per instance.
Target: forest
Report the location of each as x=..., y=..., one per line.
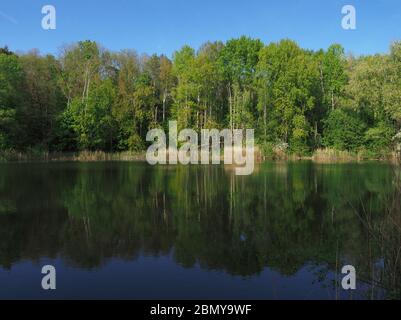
x=88, y=98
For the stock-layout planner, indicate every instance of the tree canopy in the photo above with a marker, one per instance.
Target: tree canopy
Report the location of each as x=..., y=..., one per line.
x=89, y=98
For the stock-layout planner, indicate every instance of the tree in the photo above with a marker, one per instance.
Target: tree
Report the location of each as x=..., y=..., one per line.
x=343, y=130
x=43, y=100
x=210, y=89
x=11, y=77
x=332, y=75
x=185, y=93
x=80, y=69
x=237, y=64
x=6, y=51
x=167, y=82
x=152, y=69
x=296, y=99
x=92, y=120
x=373, y=91
x=286, y=78
x=392, y=92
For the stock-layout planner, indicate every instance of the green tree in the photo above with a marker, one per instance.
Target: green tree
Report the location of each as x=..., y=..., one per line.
x=11, y=77
x=287, y=79
x=92, y=120
x=344, y=130
x=43, y=100
x=185, y=93
x=237, y=64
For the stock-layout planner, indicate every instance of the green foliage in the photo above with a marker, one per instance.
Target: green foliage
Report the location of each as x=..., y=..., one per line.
x=286, y=80
x=43, y=101
x=333, y=75
x=11, y=77
x=343, y=130
x=237, y=65
x=65, y=137
x=92, y=121
x=238, y=60
x=379, y=138
x=7, y=122
x=93, y=99
x=299, y=137
x=135, y=143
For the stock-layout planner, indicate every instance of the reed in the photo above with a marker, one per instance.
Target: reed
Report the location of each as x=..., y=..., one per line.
x=84, y=156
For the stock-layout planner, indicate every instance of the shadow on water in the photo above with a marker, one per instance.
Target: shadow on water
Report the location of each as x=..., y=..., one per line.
x=284, y=218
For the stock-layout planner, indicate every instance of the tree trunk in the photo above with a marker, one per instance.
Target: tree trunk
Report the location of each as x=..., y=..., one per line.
x=265, y=118
x=231, y=106
x=164, y=106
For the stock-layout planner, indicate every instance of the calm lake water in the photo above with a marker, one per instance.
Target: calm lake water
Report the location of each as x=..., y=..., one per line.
x=129, y=230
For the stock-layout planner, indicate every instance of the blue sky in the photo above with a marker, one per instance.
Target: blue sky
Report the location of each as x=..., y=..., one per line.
x=162, y=26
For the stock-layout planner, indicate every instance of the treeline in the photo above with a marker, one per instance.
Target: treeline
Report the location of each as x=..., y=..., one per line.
x=89, y=98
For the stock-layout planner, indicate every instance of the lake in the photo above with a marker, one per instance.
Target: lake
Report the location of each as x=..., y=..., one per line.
x=129, y=230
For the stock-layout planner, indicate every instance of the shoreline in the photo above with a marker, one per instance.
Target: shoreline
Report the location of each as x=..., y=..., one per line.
x=319, y=156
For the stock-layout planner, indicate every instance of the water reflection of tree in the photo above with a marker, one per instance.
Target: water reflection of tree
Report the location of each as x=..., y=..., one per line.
x=386, y=235
x=284, y=217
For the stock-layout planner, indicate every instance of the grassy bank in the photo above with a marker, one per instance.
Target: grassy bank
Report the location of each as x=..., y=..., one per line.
x=332, y=155
x=84, y=156
x=329, y=155
x=320, y=155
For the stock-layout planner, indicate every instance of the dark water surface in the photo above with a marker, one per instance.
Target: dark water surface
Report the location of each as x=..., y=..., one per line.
x=129, y=230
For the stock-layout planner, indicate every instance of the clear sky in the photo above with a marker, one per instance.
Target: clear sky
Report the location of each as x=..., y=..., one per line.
x=162, y=26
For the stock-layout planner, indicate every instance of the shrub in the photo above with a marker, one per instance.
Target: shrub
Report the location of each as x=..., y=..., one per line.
x=343, y=130
x=379, y=139
x=135, y=143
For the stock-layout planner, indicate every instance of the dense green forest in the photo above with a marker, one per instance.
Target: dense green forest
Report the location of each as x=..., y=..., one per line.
x=89, y=98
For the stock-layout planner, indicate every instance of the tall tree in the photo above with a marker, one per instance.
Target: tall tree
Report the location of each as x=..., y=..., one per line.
x=287, y=80
x=11, y=77
x=43, y=99
x=237, y=64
